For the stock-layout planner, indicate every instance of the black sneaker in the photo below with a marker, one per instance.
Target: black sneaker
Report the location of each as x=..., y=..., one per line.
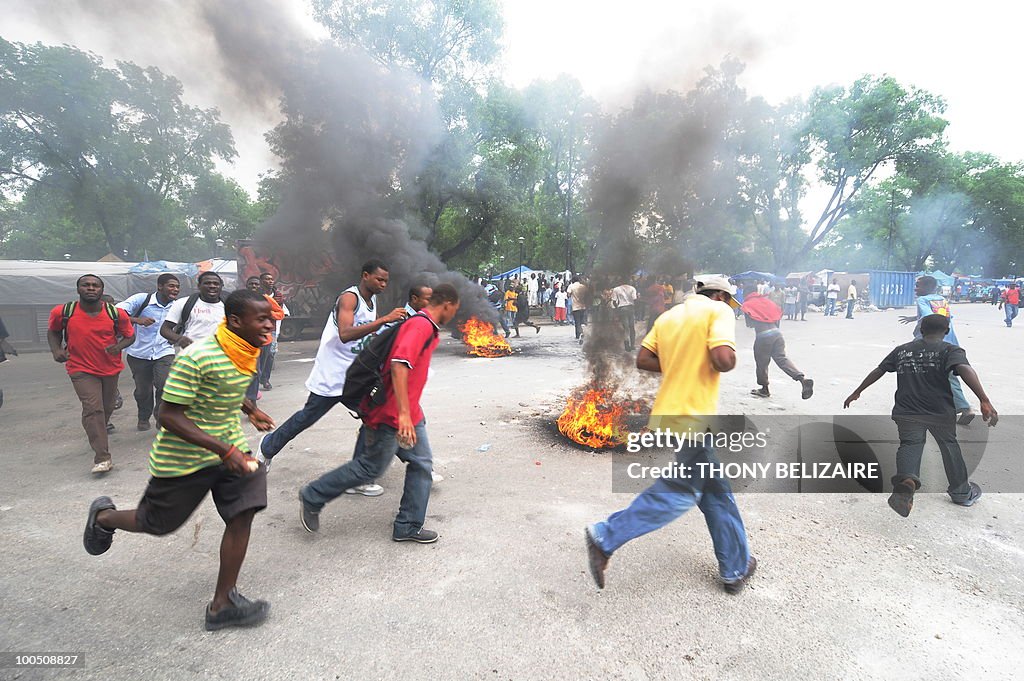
x=736, y=586
x=309, y=518
x=902, y=498
x=97, y=539
x=420, y=536
x=110, y=427
x=241, y=613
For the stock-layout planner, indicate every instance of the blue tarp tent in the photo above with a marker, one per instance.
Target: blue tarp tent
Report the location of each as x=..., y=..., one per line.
x=514, y=272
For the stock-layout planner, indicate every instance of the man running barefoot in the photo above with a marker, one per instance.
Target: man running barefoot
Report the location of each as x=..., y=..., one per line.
x=199, y=449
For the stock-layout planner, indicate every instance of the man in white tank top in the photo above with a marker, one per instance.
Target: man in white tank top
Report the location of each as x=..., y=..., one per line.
x=349, y=328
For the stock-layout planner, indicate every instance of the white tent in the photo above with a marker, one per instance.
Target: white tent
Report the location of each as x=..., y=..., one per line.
x=29, y=289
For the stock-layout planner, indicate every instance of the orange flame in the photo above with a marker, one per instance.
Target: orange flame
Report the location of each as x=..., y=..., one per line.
x=592, y=419
x=481, y=340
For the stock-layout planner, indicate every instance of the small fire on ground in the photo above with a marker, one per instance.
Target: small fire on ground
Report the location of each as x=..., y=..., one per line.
x=594, y=418
x=482, y=341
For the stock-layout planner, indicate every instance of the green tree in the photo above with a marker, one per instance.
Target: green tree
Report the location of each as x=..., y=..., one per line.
x=440, y=40
x=949, y=211
x=852, y=134
x=110, y=153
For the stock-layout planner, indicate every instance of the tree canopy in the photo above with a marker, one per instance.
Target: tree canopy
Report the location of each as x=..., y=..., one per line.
x=97, y=158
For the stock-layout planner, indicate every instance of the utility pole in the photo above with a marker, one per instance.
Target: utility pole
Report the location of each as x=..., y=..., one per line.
x=568, y=195
x=522, y=241
x=892, y=228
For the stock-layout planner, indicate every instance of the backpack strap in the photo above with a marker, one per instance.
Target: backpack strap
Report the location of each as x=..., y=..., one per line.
x=66, y=312
x=69, y=309
x=186, y=312
x=112, y=313
x=145, y=304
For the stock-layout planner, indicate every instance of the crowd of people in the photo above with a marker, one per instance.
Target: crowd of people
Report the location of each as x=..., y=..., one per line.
x=200, y=362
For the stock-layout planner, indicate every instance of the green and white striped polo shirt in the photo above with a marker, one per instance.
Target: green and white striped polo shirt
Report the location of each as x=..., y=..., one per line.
x=203, y=378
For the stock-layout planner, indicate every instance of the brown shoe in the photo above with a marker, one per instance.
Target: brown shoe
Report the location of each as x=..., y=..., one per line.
x=143, y=425
x=596, y=559
x=902, y=498
x=737, y=586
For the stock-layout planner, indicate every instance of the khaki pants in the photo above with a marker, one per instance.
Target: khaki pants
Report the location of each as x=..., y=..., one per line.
x=97, y=395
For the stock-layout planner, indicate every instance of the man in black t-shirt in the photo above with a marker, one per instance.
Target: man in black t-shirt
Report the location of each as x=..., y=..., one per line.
x=924, y=402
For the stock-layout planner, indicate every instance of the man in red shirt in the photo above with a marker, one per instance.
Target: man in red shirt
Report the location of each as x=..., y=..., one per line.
x=1010, y=301
x=654, y=295
x=89, y=342
x=395, y=427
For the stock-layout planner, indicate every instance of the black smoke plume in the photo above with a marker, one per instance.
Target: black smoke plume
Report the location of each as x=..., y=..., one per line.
x=639, y=153
x=355, y=133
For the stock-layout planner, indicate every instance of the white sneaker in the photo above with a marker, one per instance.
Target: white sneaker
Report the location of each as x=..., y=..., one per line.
x=260, y=457
x=436, y=477
x=368, y=490
x=103, y=467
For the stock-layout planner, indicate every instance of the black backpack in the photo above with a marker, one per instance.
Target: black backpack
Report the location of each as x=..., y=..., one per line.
x=365, y=376
x=186, y=311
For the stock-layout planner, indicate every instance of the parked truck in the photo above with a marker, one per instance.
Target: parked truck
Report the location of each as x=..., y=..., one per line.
x=307, y=284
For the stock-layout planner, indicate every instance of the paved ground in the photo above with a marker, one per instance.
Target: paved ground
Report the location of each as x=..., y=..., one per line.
x=846, y=589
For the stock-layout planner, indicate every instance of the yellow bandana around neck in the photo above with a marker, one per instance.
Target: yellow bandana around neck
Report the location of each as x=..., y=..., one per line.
x=238, y=350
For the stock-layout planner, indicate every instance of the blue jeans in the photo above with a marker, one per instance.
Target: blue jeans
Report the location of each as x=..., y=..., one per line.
x=1011, y=313
x=830, y=307
x=908, y=456
x=849, y=308
x=667, y=499
x=959, y=399
x=504, y=322
x=314, y=409
x=375, y=448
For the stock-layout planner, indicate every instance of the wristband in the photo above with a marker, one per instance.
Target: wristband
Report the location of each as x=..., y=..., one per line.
x=230, y=451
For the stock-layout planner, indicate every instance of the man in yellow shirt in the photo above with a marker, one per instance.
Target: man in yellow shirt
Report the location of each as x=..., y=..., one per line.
x=691, y=345
x=510, y=305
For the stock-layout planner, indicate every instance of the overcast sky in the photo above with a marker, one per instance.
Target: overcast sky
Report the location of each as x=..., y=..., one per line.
x=964, y=53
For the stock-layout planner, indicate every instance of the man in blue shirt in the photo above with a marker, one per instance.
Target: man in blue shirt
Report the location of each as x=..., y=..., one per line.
x=929, y=302
x=150, y=356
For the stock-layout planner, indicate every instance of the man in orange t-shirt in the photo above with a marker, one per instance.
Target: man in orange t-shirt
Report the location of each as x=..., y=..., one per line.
x=265, y=363
x=1010, y=301
x=89, y=344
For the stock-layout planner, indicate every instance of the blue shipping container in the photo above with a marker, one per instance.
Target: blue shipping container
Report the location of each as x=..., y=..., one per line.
x=892, y=289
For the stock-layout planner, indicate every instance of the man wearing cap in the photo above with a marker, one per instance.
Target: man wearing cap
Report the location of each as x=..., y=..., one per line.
x=690, y=345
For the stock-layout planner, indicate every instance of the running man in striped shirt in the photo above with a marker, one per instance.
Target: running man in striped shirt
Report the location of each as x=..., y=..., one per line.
x=201, y=448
